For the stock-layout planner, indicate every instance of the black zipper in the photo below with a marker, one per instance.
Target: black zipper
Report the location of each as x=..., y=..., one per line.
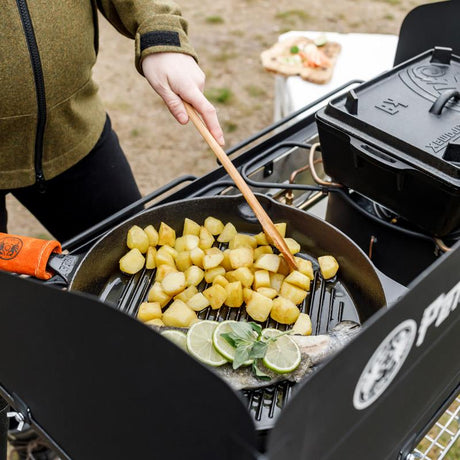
x=39, y=88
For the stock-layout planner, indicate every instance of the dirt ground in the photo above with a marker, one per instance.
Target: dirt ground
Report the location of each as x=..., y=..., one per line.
x=229, y=37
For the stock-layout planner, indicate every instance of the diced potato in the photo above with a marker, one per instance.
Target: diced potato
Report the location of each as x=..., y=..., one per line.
x=270, y=262
x=186, y=294
x=284, y=311
x=179, y=245
x=132, y=262
x=261, y=239
x=262, y=250
x=302, y=326
x=293, y=293
x=281, y=227
x=220, y=279
x=166, y=235
x=213, y=225
x=169, y=250
x=173, y=283
x=191, y=241
x=276, y=280
x=241, y=240
x=210, y=275
x=284, y=268
x=216, y=295
x=191, y=227
x=234, y=294
x=258, y=306
x=242, y=274
x=328, y=266
x=164, y=257
x=198, y=302
x=212, y=258
x=298, y=279
x=137, y=238
x=163, y=270
x=148, y=311
x=152, y=235
x=226, y=261
x=150, y=258
x=305, y=267
x=156, y=294
x=293, y=245
x=241, y=257
x=268, y=292
x=179, y=314
x=183, y=261
x=197, y=255
x=206, y=239
x=227, y=234
x=194, y=275
x=261, y=279
x=155, y=323
x=247, y=294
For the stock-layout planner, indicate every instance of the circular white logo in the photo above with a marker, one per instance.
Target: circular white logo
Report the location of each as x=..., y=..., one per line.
x=384, y=364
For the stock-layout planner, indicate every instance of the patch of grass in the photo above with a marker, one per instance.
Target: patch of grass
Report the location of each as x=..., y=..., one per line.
x=255, y=91
x=293, y=14
x=238, y=33
x=230, y=127
x=389, y=17
x=225, y=56
x=219, y=95
x=214, y=20
x=134, y=132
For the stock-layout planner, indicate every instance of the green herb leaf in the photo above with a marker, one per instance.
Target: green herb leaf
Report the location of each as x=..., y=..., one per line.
x=258, y=350
x=294, y=49
x=243, y=330
x=256, y=328
x=229, y=338
x=241, y=355
x=258, y=373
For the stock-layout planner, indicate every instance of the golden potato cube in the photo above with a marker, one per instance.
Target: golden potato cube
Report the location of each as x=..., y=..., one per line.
x=179, y=245
x=268, y=292
x=258, y=306
x=247, y=294
x=197, y=255
x=191, y=227
x=206, y=239
x=262, y=250
x=292, y=245
x=150, y=258
x=281, y=227
x=302, y=326
x=191, y=241
x=198, y=302
x=213, y=225
x=328, y=266
x=220, y=279
x=298, y=279
x=164, y=257
x=173, y=283
x=284, y=268
x=270, y=262
x=226, y=261
x=148, y=311
x=156, y=294
x=132, y=262
x=293, y=293
x=241, y=257
x=234, y=294
x=216, y=295
x=167, y=249
x=284, y=311
x=186, y=294
x=179, y=314
x=194, y=275
x=227, y=234
x=137, y=238
x=156, y=322
x=212, y=258
x=166, y=235
x=261, y=239
x=152, y=235
x=241, y=240
x=163, y=270
x=305, y=267
x=183, y=261
x=276, y=280
x=242, y=274
x=210, y=274
x=261, y=279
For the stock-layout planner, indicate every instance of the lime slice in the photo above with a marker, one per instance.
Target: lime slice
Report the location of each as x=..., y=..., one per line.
x=321, y=40
x=283, y=354
x=177, y=337
x=222, y=346
x=200, y=346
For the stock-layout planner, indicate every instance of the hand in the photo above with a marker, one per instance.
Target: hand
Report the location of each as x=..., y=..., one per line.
x=177, y=76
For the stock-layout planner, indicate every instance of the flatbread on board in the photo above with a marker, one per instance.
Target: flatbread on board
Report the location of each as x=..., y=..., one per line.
x=281, y=60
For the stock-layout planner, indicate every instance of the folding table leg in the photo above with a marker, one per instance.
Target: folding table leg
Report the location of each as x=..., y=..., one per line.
x=3, y=428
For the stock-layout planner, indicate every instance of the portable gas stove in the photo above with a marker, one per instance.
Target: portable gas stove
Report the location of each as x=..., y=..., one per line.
x=284, y=163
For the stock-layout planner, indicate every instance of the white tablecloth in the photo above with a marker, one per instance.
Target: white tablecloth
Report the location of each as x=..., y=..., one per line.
x=362, y=57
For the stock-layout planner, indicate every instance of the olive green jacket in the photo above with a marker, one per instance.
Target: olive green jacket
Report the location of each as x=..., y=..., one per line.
x=50, y=112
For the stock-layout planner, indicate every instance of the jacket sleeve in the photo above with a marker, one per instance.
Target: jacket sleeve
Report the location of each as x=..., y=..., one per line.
x=156, y=25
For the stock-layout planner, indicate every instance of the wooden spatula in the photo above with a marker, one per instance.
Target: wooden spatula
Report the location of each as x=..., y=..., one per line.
x=267, y=224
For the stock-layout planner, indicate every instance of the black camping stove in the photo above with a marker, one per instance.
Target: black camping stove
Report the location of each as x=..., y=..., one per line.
x=363, y=388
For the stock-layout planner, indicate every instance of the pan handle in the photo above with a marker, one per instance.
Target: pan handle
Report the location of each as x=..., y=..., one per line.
x=26, y=255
